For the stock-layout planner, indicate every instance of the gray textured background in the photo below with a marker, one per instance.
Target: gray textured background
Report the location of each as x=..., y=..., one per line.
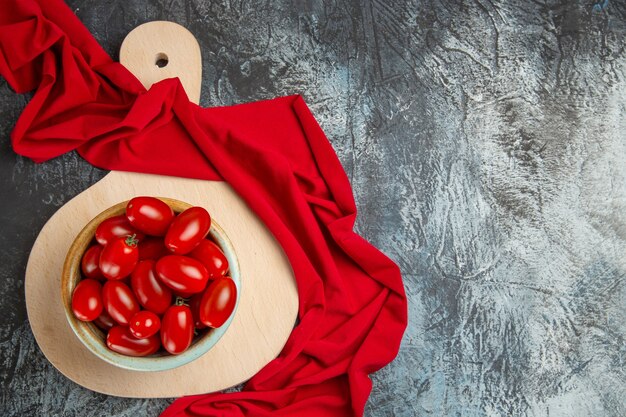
x=486, y=144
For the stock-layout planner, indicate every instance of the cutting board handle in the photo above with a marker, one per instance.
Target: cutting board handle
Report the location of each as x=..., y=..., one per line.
x=158, y=50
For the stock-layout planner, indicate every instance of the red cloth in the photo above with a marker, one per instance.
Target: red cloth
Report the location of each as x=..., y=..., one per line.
x=273, y=153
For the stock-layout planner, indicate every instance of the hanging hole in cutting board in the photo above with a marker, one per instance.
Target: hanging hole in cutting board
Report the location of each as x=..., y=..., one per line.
x=161, y=60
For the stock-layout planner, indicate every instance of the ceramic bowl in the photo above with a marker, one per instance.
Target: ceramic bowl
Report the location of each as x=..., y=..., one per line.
x=94, y=339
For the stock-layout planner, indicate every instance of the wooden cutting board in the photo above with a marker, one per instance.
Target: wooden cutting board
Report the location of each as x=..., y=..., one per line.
x=268, y=304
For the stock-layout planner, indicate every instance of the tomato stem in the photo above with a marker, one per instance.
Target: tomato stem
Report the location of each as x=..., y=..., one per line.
x=180, y=301
x=131, y=240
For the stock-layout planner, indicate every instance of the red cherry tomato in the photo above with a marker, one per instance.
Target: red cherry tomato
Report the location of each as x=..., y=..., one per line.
x=150, y=291
x=89, y=263
x=144, y=324
x=152, y=248
x=187, y=230
x=86, y=300
x=149, y=215
x=115, y=227
x=218, y=302
x=119, y=301
x=118, y=258
x=194, y=306
x=105, y=321
x=182, y=274
x=211, y=257
x=177, y=329
x=121, y=340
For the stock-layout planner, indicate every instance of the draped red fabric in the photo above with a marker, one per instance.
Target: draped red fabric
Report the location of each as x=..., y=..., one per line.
x=353, y=308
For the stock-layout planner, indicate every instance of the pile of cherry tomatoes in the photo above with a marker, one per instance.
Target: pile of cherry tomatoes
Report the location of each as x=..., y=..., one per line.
x=152, y=279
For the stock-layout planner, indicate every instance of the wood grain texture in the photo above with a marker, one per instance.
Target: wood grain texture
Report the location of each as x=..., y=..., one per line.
x=485, y=145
